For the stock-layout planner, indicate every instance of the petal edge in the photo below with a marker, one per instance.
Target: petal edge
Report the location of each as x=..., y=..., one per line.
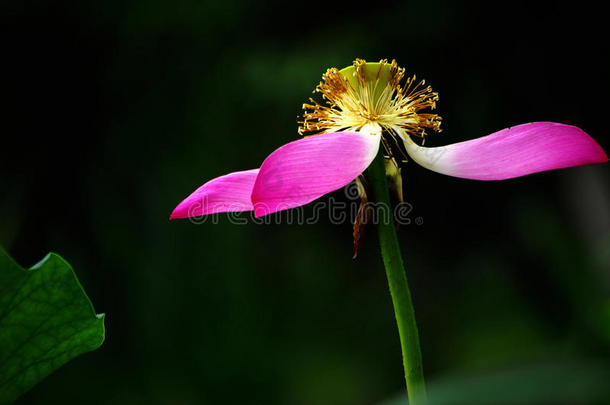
x=228, y=193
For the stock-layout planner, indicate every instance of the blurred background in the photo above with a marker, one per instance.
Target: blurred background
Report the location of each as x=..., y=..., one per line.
x=117, y=110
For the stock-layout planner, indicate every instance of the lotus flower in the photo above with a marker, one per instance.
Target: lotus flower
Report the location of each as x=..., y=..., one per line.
x=368, y=105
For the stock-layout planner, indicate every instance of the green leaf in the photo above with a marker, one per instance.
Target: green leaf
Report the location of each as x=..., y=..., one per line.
x=46, y=319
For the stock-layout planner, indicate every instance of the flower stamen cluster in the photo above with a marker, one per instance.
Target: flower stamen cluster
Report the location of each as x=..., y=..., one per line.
x=375, y=93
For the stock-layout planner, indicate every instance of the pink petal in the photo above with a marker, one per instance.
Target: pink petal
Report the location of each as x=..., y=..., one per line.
x=229, y=193
x=304, y=170
x=512, y=152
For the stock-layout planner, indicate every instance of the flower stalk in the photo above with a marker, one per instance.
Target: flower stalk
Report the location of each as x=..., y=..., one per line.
x=399, y=287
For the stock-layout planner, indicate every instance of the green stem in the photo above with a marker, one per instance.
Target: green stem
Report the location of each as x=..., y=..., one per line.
x=397, y=279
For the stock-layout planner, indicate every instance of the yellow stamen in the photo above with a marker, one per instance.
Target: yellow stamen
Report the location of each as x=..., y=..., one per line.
x=371, y=93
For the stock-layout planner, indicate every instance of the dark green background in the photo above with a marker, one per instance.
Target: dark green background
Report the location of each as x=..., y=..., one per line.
x=117, y=110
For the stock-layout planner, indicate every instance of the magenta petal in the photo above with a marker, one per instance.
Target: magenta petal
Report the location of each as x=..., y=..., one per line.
x=229, y=193
x=303, y=170
x=512, y=152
